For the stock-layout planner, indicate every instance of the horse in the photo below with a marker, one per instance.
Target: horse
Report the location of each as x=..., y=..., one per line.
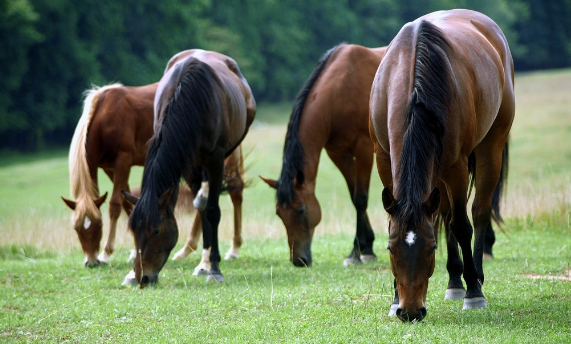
x=203, y=109
x=441, y=108
x=112, y=134
x=331, y=111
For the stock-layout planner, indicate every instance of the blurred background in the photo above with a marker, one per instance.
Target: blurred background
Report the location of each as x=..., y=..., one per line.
x=52, y=50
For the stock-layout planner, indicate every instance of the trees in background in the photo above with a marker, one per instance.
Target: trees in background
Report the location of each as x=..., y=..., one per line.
x=52, y=50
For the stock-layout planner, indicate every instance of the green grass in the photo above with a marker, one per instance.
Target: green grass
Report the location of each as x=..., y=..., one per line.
x=48, y=296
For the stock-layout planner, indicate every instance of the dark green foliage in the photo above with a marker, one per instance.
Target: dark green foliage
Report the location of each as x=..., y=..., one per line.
x=52, y=50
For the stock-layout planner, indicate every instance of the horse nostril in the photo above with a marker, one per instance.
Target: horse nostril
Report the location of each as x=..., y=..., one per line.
x=423, y=312
x=145, y=280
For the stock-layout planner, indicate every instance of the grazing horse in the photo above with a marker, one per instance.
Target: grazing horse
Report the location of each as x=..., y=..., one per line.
x=203, y=109
x=332, y=112
x=442, y=105
x=112, y=134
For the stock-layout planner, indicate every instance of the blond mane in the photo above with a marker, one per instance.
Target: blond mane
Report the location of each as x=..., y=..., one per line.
x=83, y=188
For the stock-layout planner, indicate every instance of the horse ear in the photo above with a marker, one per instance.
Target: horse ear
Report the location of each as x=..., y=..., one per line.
x=99, y=201
x=165, y=198
x=271, y=182
x=71, y=204
x=432, y=203
x=299, y=178
x=388, y=201
x=129, y=197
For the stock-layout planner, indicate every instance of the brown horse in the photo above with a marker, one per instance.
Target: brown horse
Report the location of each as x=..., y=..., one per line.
x=442, y=105
x=203, y=109
x=112, y=134
x=331, y=112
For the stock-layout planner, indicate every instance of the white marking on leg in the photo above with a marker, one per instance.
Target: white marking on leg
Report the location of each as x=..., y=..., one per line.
x=201, y=197
x=410, y=238
x=204, y=267
x=130, y=279
x=103, y=257
x=232, y=253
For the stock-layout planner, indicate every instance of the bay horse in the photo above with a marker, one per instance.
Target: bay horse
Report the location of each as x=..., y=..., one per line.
x=331, y=111
x=442, y=105
x=203, y=109
x=112, y=134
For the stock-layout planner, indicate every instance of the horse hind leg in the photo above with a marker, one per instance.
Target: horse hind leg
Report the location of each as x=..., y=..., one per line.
x=236, y=197
x=191, y=244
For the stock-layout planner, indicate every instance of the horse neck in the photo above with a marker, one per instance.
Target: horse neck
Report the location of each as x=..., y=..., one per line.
x=313, y=134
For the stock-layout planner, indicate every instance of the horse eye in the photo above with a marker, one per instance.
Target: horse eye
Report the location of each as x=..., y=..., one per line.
x=301, y=210
x=389, y=248
x=156, y=232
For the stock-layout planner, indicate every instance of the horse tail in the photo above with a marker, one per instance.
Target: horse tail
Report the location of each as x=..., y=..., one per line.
x=83, y=188
x=293, y=149
x=426, y=119
x=500, y=187
x=172, y=153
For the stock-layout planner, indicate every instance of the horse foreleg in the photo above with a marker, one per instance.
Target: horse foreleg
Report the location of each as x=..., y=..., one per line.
x=211, y=219
x=457, y=184
x=119, y=177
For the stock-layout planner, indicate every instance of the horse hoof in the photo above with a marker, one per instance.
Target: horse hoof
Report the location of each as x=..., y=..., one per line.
x=130, y=279
x=230, y=256
x=368, y=258
x=487, y=256
x=215, y=277
x=393, y=311
x=454, y=294
x=200, y=272
x=351, y=261
x=474, y=303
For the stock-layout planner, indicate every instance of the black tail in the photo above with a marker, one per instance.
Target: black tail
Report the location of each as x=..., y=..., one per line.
x=293, y=150
x=500, y=188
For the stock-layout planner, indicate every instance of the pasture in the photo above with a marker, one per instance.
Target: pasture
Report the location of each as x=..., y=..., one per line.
x=48, y=296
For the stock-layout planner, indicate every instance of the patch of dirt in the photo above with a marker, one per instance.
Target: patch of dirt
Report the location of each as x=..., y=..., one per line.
x=551, y=277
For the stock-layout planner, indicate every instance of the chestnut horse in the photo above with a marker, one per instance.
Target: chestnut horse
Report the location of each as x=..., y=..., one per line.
x=442, y=105
x=203, y=109
x=331, y=112
x=112, y=134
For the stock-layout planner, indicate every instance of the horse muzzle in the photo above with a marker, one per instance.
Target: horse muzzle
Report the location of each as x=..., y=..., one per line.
x=411, y=317
x=149, y=278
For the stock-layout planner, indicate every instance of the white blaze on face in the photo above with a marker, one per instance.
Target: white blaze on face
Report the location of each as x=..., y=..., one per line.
x=410, y=238
x=86, y=223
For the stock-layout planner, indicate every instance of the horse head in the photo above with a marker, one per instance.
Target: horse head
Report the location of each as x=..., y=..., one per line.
x=155, y=236
x=86, y=221
x=300, y=215
x=412, y=246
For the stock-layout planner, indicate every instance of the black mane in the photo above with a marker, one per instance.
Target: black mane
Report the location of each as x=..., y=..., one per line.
x=293, y=150
x=173, y=147
x=425, y=124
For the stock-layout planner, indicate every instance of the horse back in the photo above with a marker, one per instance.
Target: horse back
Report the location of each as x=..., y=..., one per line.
x=482, y=70
x=122, y=125
x=337, y=107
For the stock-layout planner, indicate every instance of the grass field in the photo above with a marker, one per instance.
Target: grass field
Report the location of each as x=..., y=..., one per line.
x=48, y=296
